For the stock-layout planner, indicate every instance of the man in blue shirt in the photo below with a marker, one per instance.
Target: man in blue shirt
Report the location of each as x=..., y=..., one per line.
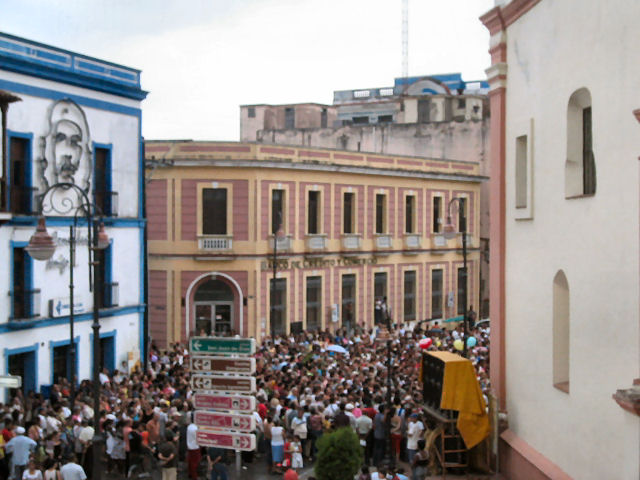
x=20, y=447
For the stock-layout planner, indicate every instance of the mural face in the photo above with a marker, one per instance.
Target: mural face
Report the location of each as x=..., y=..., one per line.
x=65, y=149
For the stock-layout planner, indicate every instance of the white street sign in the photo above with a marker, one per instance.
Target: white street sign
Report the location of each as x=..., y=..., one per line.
x=10, y=381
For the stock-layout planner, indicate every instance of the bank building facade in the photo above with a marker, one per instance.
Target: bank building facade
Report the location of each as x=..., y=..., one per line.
x=254, y=240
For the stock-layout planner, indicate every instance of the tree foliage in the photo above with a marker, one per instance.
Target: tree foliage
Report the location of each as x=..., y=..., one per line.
x=339, y=455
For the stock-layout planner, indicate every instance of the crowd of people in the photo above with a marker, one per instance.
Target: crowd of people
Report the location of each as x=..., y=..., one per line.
x=308, y=384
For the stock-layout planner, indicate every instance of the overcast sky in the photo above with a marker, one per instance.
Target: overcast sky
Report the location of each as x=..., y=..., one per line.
x=201, y=59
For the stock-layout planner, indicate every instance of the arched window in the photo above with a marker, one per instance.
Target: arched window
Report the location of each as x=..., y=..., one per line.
x=561, y=330
x=580, y=166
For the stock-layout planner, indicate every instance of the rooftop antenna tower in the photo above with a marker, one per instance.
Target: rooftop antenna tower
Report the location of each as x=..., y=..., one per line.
x=405, y=38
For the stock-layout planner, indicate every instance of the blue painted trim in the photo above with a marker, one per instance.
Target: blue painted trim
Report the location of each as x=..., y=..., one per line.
x=17, y=351
x=115, y=222
x=61, y=343
x=108, y=273
x=62, y=52
x=109, y=334
x=109, y=172
x=45, y=61
x=58, y=95
x=28, y=174
x=143, y=266
x=28, y=267
x=83, y=317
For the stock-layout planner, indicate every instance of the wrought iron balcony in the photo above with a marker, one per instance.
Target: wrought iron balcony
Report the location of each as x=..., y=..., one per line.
x=22, y=200
x=25, y=304
x=111, y=295
x=107, y=202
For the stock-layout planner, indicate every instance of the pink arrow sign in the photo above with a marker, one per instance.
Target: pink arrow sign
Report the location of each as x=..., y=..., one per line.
x=242, y=423
x=224, y=402
x=236, y=441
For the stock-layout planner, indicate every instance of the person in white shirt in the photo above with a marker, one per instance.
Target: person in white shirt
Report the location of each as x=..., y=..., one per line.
x=193, y=450
x=72, y=471
x=415, y=430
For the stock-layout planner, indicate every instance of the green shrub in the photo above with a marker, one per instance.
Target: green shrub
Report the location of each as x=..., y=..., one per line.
x=339, y=455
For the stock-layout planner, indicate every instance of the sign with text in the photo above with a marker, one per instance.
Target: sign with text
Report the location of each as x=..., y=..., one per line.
x=236, y=441
x=60, y=307
x=242, y=423
x=222, y=346
x=238, y=403
x=246, y=366
x=223, y=384
x=285, y=264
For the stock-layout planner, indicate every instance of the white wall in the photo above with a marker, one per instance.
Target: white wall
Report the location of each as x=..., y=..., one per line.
x=553, y=50
x=121, y=130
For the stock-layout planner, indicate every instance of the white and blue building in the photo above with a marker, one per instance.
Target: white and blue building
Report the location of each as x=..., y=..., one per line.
x=68, y=117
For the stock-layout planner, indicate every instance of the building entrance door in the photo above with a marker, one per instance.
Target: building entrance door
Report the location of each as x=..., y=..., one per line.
x=213, y=302
x=214, y=318
x=23, y=365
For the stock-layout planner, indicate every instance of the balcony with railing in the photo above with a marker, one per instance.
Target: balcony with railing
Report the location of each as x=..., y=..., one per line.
x=215, y=243
x=412, y=240
x=316, y=242
x=25, y=304
x=438, y=243
x=107, y=202
x=382, y=242
x=111, y=295
x=283, y=243
x=23, y=200
x=351, y=241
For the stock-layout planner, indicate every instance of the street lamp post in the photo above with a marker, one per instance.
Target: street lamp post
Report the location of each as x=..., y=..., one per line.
x=42, y=247
x=450, y=232
x=278, y=234
x=391, y=458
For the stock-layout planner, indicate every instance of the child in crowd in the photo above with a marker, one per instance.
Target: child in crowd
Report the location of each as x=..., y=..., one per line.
x=296, y=453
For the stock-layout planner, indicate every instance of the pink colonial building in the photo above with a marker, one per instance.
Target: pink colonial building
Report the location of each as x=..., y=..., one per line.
x=254, y=239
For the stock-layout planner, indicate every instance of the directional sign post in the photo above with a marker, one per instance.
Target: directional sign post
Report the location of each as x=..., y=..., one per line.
x=223, y=383
x=237, y=403
x=241, y=365
x=222, y=346
x=218, y=365
x=222, y=439
x=241, y=423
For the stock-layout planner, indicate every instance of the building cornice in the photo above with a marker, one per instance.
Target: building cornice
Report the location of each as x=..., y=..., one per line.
x=499, y=18
x=325, y=167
